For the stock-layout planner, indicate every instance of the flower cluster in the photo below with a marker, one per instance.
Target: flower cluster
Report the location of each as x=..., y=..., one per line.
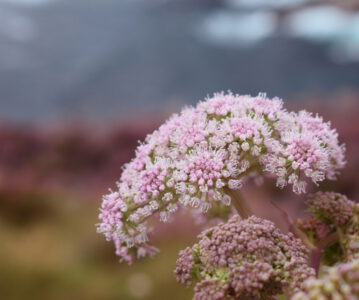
x=313, y=228
x=340, y=282
x=333, y=227
x=244, y=259
x=333, y=212
x=211, y=289
x=197, y=156
x=350, y=239
x=331, y=208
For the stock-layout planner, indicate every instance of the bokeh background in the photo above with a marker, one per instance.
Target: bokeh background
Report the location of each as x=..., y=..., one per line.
x=81, y=81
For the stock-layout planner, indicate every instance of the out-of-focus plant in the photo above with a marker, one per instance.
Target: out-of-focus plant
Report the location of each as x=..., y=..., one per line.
x=201, y=158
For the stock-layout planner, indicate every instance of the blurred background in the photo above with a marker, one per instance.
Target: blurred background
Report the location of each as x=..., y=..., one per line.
x=82, y=81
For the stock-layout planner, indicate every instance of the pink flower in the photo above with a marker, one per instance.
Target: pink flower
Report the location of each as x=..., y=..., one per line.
x=331, y=208
x=195, y=157
x=339, y=282
x=244, y=259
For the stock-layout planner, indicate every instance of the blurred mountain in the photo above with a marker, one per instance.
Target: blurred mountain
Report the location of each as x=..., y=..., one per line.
x=110, y=58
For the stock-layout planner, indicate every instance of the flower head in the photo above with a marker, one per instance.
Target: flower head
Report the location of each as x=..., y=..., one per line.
x=244, y=259
x=350, y=238
x=334, y=215
x=331, y=208
x=340, y=282
x=195, y=157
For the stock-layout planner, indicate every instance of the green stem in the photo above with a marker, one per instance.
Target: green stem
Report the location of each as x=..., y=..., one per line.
x=316, y=254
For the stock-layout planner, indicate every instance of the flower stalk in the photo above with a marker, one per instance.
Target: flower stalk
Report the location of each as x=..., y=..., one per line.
x=240, y=203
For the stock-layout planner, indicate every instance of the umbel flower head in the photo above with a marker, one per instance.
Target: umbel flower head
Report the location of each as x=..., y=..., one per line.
x=246, y=259
x=350, y=241
x=330, y=211
x=333, y=213
x=196, y=157
x=331, y=208
x=340, y=282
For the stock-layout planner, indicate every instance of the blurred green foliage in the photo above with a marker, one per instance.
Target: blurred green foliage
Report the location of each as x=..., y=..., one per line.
x=54, y=252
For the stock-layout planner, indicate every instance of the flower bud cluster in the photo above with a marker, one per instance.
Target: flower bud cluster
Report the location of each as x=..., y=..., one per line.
x=198, y=155
x=212, y=289
x=331, y=208
x=244, y=259
x=350, y=242
x=333, y=213
x=313, y=228
x=330, y=212
x=340, y=282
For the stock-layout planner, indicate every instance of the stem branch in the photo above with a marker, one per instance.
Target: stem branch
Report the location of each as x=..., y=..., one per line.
x=240, y=204
x=292, y=228
x=316, y=254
